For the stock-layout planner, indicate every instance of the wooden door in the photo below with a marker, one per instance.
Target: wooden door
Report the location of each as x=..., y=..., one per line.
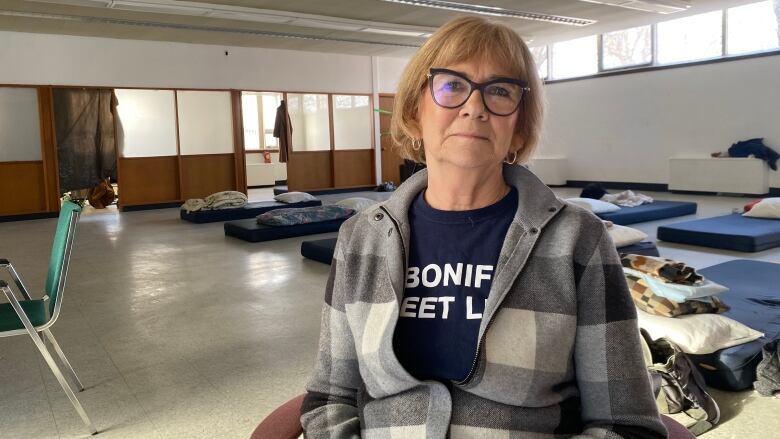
x=391, y=161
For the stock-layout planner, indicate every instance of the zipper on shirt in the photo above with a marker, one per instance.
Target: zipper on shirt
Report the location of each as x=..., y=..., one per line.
x=476, y=356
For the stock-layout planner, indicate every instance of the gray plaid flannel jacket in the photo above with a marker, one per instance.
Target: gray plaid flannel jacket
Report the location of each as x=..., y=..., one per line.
x=559, y=353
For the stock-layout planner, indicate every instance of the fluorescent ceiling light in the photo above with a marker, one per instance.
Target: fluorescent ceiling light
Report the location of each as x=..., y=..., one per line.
x=227, y=12
x=495, y=11
x=402, y=33
x=195, y=27
x=658, y=6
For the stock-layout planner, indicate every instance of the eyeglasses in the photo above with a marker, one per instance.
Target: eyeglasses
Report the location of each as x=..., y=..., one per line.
x=451, y=89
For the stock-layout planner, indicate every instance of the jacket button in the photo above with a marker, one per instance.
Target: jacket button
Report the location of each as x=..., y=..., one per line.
x=534, y=230
x=552, y=209
x=378, y=217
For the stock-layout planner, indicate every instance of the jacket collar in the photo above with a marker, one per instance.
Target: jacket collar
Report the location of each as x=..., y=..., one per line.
x=536, y=202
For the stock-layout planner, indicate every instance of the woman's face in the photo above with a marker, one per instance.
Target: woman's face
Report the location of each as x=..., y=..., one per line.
x=467, y=136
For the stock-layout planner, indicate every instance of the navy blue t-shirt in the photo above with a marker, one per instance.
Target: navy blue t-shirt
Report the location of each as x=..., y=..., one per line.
x=452, y=256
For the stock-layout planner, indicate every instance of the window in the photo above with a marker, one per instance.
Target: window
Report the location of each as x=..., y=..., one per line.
x=251, y=121
x=752, y=28
x=310, y=121
x=575, y=58
x=351, y=122
x=20, y=135
x=540, y=57
x=148, y=122
x=259, y=117
x=625, y=48
x=690, y=38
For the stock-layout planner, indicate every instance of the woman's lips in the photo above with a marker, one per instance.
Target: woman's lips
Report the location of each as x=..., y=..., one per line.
x=470, y=136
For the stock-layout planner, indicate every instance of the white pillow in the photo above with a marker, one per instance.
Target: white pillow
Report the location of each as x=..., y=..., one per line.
x=595, y=206
x=678, y=292
x=294, y=197
x=766, y=208
x=623, y=236
x=357, y=203
x=698, y=333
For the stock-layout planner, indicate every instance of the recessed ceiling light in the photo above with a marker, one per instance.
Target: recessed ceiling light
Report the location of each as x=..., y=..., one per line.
x=495, y=11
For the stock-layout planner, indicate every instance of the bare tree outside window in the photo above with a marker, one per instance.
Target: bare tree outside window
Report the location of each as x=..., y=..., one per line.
x=627, y=47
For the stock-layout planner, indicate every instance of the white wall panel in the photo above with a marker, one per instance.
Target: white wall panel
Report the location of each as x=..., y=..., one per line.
x=20, y=134
x=205, y=122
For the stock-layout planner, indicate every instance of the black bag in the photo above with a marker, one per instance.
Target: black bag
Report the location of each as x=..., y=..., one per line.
x=768, y=370
x=679, y=386
x=387, y=186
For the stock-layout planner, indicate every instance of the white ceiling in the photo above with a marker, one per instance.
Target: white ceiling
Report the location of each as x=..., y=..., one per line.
x=312, y=25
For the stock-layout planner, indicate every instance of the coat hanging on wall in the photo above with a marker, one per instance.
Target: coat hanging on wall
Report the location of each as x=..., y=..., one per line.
x=283, y=131
x=86, y=138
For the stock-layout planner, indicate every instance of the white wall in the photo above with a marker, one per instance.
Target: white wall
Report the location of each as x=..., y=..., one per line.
x=71, y=60
x=390, y=70
x=625, y=127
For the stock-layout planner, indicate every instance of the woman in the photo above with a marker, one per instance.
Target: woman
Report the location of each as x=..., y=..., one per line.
x=474, y=303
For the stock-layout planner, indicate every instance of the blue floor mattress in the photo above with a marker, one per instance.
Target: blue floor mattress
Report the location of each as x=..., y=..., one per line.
x=650, y=212
x=251, y=210
x=730, y=232
x=754, y=298
x=250, y=230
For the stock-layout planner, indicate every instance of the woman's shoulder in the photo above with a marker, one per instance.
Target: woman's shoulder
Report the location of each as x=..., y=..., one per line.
x=362, y=224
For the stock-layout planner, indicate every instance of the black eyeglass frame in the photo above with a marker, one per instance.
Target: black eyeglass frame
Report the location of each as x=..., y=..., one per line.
x=478, y=86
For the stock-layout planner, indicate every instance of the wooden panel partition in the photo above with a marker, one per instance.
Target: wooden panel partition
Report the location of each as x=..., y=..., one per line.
x=391, y=160
x=309, y=170
x=354, y=167
x=239, y=158
x=49, y=149
x=204, y=174
x=22, y=188
x=148, y=180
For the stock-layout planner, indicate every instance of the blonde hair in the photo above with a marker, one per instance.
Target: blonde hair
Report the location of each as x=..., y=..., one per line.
x=461, y=40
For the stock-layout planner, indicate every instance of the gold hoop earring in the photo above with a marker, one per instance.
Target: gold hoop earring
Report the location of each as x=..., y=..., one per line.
x=416, y=144
x=514, y=158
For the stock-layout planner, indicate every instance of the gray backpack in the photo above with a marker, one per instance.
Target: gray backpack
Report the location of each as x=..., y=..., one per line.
x=678, y=385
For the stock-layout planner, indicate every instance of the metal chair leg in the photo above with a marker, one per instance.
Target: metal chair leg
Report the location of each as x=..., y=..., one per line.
x=18, y=282
x=49, y=359
x=68, y=367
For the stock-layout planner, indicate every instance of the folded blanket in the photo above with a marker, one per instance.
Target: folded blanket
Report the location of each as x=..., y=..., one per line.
x=651, y=303
x=665, y=269
x=627, y=199
x=216, y=201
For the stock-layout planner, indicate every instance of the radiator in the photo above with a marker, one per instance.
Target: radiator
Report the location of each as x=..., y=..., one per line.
x=710, y=174
x=551, y=170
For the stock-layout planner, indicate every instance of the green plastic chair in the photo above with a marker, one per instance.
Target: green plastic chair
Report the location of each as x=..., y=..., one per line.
x=34, y=317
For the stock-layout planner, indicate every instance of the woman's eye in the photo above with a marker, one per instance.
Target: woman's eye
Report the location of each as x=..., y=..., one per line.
x=499, y=91
x=453, y=86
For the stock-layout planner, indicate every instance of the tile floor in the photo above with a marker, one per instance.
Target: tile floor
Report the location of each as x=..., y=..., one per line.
x=180, y=332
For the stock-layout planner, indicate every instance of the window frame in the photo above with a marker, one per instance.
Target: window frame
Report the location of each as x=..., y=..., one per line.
x=654, y=63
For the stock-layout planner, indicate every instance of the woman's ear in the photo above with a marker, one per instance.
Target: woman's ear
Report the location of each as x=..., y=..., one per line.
x=518, y=143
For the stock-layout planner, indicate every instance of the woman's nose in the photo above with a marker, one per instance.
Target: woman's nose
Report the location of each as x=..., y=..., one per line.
x=474, y=106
